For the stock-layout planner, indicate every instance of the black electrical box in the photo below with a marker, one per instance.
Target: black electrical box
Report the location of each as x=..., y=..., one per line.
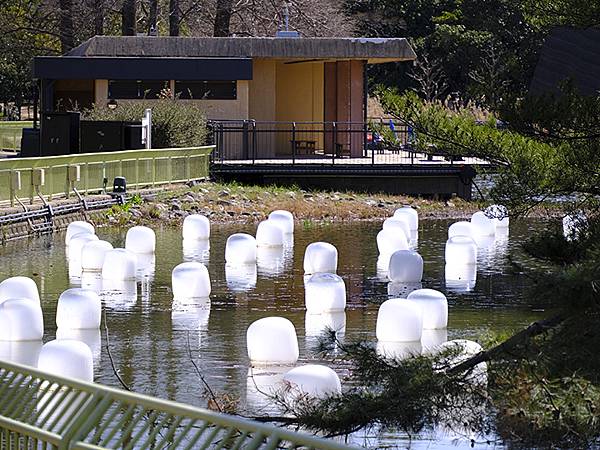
x=101, y=136
x=59, y=133
x=30, y=142
x=132, y=135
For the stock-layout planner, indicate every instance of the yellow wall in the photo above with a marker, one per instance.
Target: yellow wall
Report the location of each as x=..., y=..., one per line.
x=101, y=92
x=227, y=109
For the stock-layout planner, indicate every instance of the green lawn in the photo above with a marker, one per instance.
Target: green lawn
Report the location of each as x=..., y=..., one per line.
x=10, y=134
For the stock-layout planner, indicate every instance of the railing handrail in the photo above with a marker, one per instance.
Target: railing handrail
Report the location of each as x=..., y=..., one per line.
x=103, y=394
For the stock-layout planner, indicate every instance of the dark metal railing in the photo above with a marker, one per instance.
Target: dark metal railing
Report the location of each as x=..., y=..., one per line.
x=376, y=142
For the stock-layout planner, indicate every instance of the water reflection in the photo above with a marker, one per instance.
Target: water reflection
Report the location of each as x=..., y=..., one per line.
x=432, y=339
x=460, y=278
x=398, y=289
x=399, y=350
x=119, y=294
x=190, y=314
x=241, y=277
x=92, y=281
x=91, y=338
x=21, y=352
x=196, y=250
x=262, y=385
x=271, y=261
x=145, y=266
x=315, y=325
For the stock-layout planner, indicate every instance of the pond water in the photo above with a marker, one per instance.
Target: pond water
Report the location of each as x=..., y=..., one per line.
x=149, y=338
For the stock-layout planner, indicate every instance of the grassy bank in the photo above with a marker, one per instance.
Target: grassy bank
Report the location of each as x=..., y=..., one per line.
x=232, y=202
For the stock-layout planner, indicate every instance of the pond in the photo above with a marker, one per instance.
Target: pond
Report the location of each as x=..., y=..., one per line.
x=150, y=340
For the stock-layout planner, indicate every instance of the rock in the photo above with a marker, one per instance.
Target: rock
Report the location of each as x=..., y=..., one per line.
x=148, y=197
x=223, y=194
x=223, y=203
x=175, y=205
x=188, y=198
x=307, y=195
x=370, y=202
x=231, y=213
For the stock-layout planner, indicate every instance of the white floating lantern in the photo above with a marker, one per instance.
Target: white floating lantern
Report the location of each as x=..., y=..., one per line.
x=398, y=224
x=284, y=219
x=317, y=324
x=313, y=380
x=390, y=241
x=320, y=257
x=398, y=289
x=461, y=250
x=79, y=309
x=269, y=234
x=76, y=245
x=90, y=337
x=411, y=214
x=398, y=350
x=78, y=227
x=19, y=287
x=119, y=264
x=21, y=320
x=483, y=225
x=92, y=255
x=140, y=239
x=21, y=352
x=240, y=249
x=460, y=277
x=406, y=266
x=241, y=277
x=435, y=308
x=432, y=339
x=399, y=320
x=271, y=341
x=67, y=358
x=196, y=250
x=465, y=349
x=325, y=292
x=190, y=280
x=462, y=228
x=196, y=227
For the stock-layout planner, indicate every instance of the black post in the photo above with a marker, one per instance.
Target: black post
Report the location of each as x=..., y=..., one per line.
x=36, y=96
x=221, y=142
x=335, y=142
x=293, y=143
x=253, y=141
x=245, y=139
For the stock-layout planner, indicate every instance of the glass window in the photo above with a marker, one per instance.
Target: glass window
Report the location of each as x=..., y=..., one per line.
x=136, y=89
x=206, y=90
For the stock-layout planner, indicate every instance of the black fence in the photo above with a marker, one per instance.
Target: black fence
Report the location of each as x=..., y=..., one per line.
x=376, y=142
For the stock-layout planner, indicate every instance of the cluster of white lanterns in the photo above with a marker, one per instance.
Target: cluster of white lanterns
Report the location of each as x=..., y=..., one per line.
x=399, y=232
x=468, y=242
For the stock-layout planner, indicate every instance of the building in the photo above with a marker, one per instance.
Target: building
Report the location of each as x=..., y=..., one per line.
x=270, y=80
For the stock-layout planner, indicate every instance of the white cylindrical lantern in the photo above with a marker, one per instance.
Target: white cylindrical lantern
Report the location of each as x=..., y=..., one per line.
x=405, y=266
x=390, y=241
x=398, y=224
x=411, y=214
x=325, y=292
x=320, y=257
x=140, y=239
x=92, y=255
x=284, y=219
x=78, y=308
x=313, y=380
x=461, y=250
x=76, y=245
x=119, y=264
x=398, y=350
x=462, y=228
x=460, y=278
x=19, y=287
x=269, y=234
x=435, y=308
x=483, y=225
x=397, y=289
x=399, y=320
x=241, y=277
x=196, y=227
x=190, y=280
x=67, y=358
x=464, y=349
x=240, y=249
x=21, y=320
x=317, y=324
x=271, y=341
x=78, y=227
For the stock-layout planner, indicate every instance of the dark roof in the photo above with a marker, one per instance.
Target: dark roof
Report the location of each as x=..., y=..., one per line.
x=569, y=53
x=374, y=50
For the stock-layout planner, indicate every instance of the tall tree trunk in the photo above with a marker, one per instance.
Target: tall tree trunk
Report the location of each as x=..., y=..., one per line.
x=152, y=16
x=99, y=18
x=67, y=39
x=223, y=18
x=128, y=19
x=174, y=17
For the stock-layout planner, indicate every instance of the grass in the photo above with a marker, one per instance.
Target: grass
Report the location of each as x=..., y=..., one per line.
x=10, y=134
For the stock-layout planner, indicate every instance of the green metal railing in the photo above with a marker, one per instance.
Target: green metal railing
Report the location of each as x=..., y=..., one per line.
x=43, y=411
x=87, y=171
x=10, y=134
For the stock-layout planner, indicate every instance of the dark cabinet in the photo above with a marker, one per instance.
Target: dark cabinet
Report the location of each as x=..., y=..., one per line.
x=59, y=133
